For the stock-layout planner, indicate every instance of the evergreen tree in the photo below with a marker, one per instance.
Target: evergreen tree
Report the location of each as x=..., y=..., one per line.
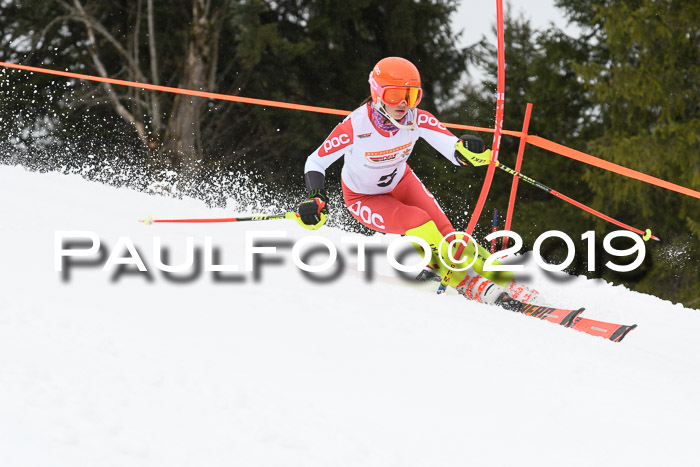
x=645, y=76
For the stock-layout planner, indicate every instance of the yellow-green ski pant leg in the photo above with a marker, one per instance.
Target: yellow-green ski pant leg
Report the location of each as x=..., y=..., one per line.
x=430, y=233
x=439, y=259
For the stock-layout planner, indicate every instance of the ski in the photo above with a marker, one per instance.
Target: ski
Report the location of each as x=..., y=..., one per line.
x=562, y=316
x=612, y=331
x=569, y=318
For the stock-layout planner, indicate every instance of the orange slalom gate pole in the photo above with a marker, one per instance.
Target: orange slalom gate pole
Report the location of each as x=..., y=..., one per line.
x=609, y=166
x=211, y=95
x=189, y=92
x=534, y=140
x=518, y=165
x=646, y=235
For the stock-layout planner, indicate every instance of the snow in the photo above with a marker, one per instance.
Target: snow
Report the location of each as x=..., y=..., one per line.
x=136, y=369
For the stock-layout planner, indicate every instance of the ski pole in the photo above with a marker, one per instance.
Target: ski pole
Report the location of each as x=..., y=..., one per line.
x=646, y=235
x=494, y=228
x=149, y=220
x=285, y=215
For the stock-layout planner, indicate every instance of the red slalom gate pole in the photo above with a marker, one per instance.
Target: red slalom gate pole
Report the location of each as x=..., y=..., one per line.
x=500, y=106
x=518, y=166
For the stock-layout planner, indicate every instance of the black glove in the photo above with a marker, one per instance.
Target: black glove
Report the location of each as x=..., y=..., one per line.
x=469, y=151
x=473, y=143
x=311, y=208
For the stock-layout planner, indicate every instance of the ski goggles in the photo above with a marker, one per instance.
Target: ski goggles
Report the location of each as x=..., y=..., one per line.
x=395, y=95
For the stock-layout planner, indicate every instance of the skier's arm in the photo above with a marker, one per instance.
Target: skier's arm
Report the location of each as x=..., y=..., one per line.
x=314, y=209
x=465, y=151
x=311, y=210
x=315, y=181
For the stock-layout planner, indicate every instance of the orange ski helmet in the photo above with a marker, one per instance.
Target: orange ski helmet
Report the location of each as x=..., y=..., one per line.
x=393, y=80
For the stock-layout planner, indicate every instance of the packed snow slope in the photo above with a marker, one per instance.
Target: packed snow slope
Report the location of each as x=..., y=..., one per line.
x=126, y=368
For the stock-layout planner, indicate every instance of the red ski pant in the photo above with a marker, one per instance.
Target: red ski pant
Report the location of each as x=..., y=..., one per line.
x=409, y=205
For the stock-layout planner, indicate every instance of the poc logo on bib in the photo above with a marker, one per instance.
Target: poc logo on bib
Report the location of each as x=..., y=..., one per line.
x=338, y=139
x=426, y=118
x=367, y=216
x=334, y=143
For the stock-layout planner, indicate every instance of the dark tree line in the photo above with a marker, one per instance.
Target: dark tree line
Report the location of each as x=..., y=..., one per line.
x=625, y=89
x=301, y=51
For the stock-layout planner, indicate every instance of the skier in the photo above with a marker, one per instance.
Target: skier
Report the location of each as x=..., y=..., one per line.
x=380, y=189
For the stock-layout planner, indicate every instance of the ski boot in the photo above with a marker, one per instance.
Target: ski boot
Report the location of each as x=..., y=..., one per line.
x=474, y=282
x=476, y=287
x=480, y=289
